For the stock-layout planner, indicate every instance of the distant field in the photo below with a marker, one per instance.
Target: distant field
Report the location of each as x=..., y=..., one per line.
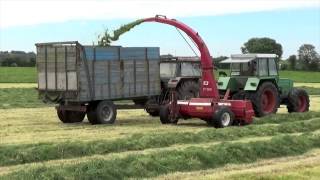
x=18, y=74
x=28, y=75
x=301, y=76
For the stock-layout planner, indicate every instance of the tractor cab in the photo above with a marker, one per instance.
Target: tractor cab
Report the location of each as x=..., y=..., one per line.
x=246, y=71
x=171, y=67
x=183, y=68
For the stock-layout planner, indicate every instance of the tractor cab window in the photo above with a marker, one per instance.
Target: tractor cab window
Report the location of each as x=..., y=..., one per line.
x=272, y=67
x=168, y=70
x=243, y=69
x=263, y=67
x=190, y=69
x=235, y=69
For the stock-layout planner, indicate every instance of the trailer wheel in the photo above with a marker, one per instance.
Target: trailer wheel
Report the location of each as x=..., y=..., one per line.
x=91, y=113
x=222, y=117
x=298, y=101
x=164, y=114
x=105, y=113
x=265, y=100
x=70, y=116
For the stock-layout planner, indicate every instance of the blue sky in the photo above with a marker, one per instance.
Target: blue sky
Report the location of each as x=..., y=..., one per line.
x=224, y=33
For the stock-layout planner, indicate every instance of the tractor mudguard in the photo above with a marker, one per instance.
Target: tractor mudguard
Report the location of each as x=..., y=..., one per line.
x=285, y=85
x=223, y=83
x=252, y=84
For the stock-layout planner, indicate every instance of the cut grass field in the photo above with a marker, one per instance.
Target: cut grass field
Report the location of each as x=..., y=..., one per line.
x=35, y=145
x=19, y=97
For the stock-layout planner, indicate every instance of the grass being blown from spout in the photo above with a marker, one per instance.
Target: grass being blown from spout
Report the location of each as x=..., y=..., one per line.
x=106, y=38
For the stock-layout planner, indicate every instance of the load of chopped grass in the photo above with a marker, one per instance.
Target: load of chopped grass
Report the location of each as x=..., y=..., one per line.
x=107, y=38
x=168, y=161
x=26, y=153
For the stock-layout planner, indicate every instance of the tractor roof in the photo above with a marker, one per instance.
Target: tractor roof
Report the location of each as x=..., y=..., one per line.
x=243, y=58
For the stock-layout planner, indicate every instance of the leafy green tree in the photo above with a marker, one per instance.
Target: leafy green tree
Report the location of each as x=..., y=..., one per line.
x=309, y=57
x=292, y=62
x=262, y=45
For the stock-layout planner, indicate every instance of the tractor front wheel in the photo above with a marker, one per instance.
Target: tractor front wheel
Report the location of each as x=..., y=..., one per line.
x=265, y=101
x=165, y=116
x=149, y=109
x=298, y=101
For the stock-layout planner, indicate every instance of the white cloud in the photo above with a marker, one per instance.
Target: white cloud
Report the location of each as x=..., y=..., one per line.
x=30, y=12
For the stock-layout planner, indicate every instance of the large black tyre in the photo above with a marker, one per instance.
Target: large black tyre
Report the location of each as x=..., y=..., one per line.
x=70, y=116
x=164, y=114
x=140, y=102
x=187, y=90
x=152, y=111
x=265, y=100
x=92, y=113
x=104, y=113
x=222, y=117
x=298, y=101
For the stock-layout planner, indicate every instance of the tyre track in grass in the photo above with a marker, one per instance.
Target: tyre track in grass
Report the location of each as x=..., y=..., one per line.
x=163, y=162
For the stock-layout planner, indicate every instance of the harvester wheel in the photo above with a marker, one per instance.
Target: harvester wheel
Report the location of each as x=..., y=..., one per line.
x=164, y=114
x=265, y=100
x=70, y=116
x=105, y=113
x=222, y=117
x=187, y=90
x=298, y=101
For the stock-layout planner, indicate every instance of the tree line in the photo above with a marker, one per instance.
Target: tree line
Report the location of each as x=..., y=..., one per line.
x=17, y=59
x=307, y=57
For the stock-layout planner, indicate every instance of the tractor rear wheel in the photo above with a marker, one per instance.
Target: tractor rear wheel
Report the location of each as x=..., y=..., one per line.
x=70, y=116
x=265, y=100
x=165, y=117
x=222, y=117
x=298, y=101
x=187, y=90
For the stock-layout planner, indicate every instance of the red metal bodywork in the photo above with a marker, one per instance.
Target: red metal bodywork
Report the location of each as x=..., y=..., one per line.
x=205, y=106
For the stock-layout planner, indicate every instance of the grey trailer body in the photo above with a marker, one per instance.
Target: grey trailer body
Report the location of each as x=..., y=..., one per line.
x=74, y=75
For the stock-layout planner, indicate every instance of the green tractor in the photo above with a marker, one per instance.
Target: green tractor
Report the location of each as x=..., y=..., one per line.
x=255, y=77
